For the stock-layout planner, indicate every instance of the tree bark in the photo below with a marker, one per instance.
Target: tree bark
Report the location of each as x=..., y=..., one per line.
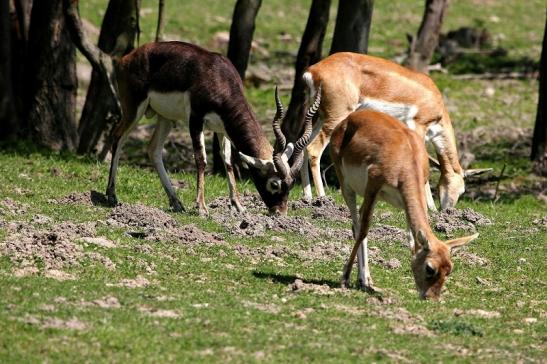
x=8, y=116
x=308, y=54
x=421, y=49
x=161, y=21
x=352, y=28
x=51, y=78
x=539, y=139
x=100, y=110
x=241, y=33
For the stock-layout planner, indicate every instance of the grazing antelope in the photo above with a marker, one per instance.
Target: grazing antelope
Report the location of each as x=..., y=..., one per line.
x=377, y=157
x=180, y=81
x=351, y=81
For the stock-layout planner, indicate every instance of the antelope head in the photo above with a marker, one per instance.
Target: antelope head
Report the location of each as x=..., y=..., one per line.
x=431, y=263
x=276, y=176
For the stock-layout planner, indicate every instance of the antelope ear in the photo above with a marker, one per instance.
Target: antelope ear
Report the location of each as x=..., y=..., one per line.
x=287, y=153
x=262, y=165
x=476, y=172
x=422, y=240
x=461, y=241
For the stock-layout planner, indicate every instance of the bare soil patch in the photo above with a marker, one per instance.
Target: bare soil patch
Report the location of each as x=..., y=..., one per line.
x=29, y=246
x=55, y=323
x=451, y=219
x=153, y=224
x=254, y=223
x=323, y=208
x=466, y=257
x=12, y=207
x=84, y=198
x=156, y=312
x=320, y=289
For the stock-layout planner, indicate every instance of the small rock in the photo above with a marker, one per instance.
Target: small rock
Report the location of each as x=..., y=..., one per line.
x=484, y=282
x=530, y=320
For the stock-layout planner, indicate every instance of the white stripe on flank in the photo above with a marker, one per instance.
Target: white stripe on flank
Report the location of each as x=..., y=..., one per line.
x=402, y=112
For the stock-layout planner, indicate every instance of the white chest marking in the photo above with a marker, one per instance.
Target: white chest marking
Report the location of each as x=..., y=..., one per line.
x=356, y=178
x=171, y=105
x=402, y=112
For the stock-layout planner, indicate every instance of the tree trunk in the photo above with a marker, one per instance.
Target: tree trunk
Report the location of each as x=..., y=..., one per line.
x=100, y=111
x=8, y=116
x=51, y=78
x=161, y=21
x=239, y=49
x=421, y=49
x=308, y=54
x=539, y=140
x=352, y=28
x=241, y=33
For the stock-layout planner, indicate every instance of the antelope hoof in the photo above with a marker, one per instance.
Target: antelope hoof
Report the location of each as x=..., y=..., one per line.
x=111, y=199
x=238, y=206
x=202, y=210
x=176, y=205
x=369, y=287
x=344, y=282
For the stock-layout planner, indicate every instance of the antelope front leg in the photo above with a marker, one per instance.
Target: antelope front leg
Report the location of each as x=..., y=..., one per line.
x=315, y=151
x=226, y=148
x=198, y=143
x=155, y=151
x=365, y=279
x=305, y=177
x=351, y=201
x=120, y=136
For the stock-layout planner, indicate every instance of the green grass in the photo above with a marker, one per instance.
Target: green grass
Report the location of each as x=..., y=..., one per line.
x=232, y=309
x=237, y=310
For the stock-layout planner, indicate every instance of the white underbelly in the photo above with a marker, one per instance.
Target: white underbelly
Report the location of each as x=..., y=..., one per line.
x=176, y=106
x=171, y=105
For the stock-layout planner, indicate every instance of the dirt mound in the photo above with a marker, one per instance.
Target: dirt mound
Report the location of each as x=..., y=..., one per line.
x=54, y=323
x=140, y=216
x=253, y=222
x=452, y=219
x=469, y=258
x=151, y=223
x=321, y=289
x=12, y=207
x=542, y=222
x=83, y=198
x=323, y=207
x=388, y=234
x=28, y=247
x=53, y=250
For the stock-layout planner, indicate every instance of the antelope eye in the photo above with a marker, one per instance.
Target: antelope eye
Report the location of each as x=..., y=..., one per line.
x=274, y=185
x=430, y=271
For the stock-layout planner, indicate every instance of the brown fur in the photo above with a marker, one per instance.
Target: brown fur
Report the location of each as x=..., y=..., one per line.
x=346, y=78
x=396, y=157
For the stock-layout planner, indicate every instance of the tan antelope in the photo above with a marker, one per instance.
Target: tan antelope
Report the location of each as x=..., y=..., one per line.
x=377, y=157
x=351, y=81
x=180, y=81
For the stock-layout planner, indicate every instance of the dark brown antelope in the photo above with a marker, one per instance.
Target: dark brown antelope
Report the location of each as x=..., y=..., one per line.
x=180, y=81
x=377, y=157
